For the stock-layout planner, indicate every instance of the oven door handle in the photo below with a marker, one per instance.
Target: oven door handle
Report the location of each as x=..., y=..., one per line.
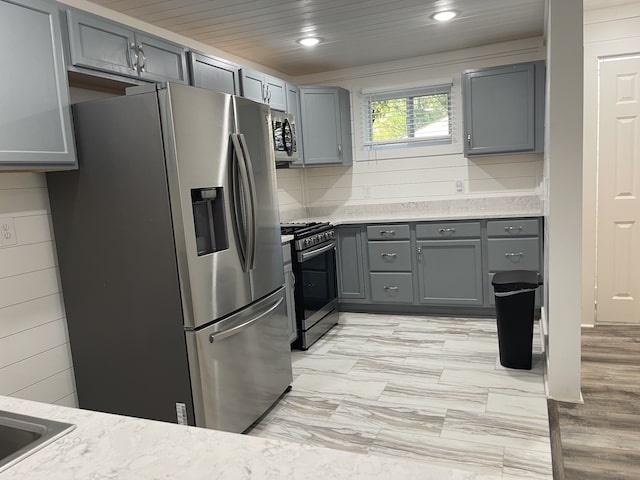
x=304, y=256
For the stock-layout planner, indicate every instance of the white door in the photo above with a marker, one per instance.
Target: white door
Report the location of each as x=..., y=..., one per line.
x=618, y=257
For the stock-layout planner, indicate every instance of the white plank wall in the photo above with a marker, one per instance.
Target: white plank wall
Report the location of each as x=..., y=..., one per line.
x=422, y=179
x=291, y=196
x=35, y=360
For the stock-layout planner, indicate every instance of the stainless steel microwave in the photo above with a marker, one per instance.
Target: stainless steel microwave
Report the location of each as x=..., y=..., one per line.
x=284, y=136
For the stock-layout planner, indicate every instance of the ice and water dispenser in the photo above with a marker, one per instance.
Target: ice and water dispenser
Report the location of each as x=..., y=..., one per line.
x=209, y=220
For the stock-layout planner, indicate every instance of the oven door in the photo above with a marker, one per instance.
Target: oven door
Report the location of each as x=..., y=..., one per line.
x=284, y=137
x=317, y=292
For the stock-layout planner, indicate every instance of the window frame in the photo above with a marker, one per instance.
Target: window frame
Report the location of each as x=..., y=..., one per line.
x=408, y=95
x=395, y=152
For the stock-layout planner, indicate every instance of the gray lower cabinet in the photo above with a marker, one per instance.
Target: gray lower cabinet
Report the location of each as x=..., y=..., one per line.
x=101, y=45
x=450, y=272
x=350, y=261
x=513, y=245
x=289, y=285
x=35, y=127
x=504, y=109
x=213, y=74
x=326, y=126
x=436, y=267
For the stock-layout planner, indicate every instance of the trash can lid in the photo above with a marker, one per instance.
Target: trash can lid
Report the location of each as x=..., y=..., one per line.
x=516, y=280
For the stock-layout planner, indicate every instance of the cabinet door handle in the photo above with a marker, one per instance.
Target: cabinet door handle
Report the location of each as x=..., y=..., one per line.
x=419, y=254
x=144, y=59
x=447, y=230
x=133, y=56
x=514, y=254
x=385, y=254
x=469, y=140
x=339, y=151
x=390, y=288
x=386, y=233
x=511, y=229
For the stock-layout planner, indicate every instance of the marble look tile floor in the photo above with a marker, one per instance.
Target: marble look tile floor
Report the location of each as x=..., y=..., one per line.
x=425, y=388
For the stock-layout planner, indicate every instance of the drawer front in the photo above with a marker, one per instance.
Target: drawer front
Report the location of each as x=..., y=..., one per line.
x=513, y=228
x=448, y=230
x=389, y=256
x=514, y=254
x=392, y=287
x=388, y=232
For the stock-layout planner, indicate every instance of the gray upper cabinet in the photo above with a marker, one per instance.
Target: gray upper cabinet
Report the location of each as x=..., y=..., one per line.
x=350, y=264
x=450, y=272
x=161, y=61
x=98, y=44
x=326, y=126
x=504, y=109
x=264, y=89
x=213, y=74
x=293, y=108
x=35, y=125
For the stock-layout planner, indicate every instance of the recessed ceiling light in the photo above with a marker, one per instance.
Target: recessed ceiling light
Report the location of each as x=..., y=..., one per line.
x=309, y=41
x=444, y=15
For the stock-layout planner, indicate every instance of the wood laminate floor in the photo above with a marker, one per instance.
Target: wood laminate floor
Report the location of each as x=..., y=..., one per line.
x=601, y=438
x=424, y=388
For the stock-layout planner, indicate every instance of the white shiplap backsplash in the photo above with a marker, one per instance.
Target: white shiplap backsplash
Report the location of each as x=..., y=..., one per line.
x=35, y=360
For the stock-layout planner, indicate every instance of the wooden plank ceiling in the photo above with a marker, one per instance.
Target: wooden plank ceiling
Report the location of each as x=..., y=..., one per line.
x=355, y=32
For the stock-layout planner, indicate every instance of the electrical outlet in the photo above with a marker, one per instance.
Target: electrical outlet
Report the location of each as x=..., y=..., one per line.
x=459, y=185
x=7, y=232
x=367, y=191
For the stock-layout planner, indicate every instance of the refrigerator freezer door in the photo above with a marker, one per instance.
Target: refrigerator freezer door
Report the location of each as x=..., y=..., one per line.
x=240, y=365
x=253, y=125
x=198, y=124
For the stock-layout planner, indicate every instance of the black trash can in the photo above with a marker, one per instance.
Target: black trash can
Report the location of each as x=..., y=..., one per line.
x=515, y=297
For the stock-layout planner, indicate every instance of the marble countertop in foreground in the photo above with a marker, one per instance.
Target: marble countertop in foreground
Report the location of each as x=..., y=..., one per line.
x=107, y=446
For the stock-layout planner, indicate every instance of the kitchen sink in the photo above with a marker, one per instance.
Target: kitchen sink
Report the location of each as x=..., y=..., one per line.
x=22, y=435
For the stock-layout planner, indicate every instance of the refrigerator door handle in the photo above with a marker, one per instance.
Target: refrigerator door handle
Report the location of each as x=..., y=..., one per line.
x=251, y=203
x=240, y=176
x=238, y=328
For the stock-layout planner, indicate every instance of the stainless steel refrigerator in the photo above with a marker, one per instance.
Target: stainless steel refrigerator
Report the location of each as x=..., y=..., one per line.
x=168, y=243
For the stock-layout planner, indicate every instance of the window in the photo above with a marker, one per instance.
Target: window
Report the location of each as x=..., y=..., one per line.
x=409, y=117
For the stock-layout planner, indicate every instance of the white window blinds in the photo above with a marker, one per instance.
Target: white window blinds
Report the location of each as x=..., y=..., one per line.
x=407, y=117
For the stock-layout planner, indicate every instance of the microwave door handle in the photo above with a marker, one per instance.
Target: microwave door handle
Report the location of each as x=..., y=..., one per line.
x=239, y=176
x=214, y=337
x=251, y=202
x=287, y=126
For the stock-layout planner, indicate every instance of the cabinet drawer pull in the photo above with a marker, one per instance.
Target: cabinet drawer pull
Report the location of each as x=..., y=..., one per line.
x=390, y=288
x=385, y=254
x=514, y=254
x=447, y=230
x=511, y=229
x=387, y=232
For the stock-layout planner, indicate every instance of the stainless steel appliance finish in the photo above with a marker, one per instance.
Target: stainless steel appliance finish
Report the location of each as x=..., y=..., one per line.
x=316, y=283
x=284, y=136
x=168, y=241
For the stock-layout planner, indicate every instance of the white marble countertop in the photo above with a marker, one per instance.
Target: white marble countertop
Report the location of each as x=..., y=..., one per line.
x=114, y=447
x=286, y=238
x=428, y=211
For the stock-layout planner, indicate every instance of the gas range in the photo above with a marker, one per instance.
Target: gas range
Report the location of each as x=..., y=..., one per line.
x=308, y=234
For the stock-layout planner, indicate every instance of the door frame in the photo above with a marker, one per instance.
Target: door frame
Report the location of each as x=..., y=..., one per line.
x=593, y=54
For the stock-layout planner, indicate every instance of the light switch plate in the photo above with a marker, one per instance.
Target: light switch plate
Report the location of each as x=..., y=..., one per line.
x=459, y=185
x=7, y=232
